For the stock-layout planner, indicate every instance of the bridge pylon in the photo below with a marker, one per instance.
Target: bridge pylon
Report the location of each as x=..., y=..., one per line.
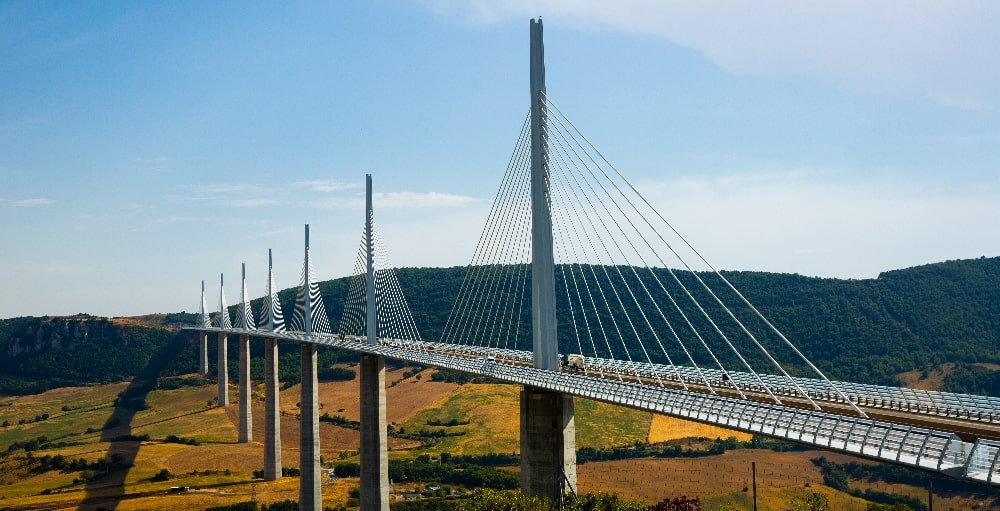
x=203, y=321
x=271, y=320
x=223, y=364
x=548, y=429
x=308, y=310
x=245, y=322
x=374, y=436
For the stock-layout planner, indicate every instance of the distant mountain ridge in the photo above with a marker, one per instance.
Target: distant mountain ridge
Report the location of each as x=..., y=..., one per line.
x=858, y=330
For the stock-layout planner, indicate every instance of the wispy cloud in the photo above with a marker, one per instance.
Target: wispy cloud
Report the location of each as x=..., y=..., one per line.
x=26, y=203
x=944, y=51
x=421, y=200
x=157, y=164
x=229, y=189
x=250, y=203
x=400, y=200
x=231, y=195
x=326, y=185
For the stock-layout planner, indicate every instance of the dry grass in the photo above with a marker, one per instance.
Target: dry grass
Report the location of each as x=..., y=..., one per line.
x=492, y=412
x=935, y=378
x=715, y=478
x=410, y=396
x=663, y=428
x=603, y=425
x=403, y=400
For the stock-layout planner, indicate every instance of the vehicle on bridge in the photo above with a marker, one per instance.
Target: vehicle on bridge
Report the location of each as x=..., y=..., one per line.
x=575, y=362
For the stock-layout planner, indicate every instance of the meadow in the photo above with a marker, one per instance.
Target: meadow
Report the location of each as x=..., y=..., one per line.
x=81, y=425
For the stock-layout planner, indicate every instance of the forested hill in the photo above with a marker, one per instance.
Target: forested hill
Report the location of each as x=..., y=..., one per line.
x=857, y=330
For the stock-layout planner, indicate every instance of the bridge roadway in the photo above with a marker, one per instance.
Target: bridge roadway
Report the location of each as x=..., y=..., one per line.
x=911, y=434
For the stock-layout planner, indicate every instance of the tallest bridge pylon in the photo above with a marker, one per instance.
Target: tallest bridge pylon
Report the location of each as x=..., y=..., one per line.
x=548, y=430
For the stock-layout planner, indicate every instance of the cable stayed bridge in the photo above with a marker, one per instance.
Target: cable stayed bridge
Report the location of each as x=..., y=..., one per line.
x=578, y=287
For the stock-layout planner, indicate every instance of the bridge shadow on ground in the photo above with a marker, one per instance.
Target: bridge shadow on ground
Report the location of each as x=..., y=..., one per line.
x=106, y=488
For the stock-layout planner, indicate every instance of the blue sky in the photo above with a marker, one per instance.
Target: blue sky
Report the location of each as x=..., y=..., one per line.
x=147, y=146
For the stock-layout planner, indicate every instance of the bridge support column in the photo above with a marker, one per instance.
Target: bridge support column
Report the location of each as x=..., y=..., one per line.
x=310, y=489
x=374, y=455
x=548, y=444
x=246, y=415
x=223, y=370
x=272, y=416
x=202, y=353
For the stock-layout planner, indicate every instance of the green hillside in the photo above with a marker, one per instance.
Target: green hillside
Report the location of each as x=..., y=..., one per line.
x=858, y=330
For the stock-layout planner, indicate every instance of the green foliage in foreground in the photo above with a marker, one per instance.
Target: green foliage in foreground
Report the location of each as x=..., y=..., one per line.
x=287, y=505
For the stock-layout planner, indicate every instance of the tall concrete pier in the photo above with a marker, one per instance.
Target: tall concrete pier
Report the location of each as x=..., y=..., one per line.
x=203, y=353
x=310, y=488
x=374, y=446
x=271, y=320
x=245, y=322
x=548, y=444
x=203, y=336
x=223, y=370
x=272, y=415
x=548, y=430
x=223, y=367
x=246, y=415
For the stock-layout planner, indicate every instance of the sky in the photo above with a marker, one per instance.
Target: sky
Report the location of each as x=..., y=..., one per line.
x=147, y=146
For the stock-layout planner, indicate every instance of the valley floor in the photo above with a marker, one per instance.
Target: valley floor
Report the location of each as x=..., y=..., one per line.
x=83, y=428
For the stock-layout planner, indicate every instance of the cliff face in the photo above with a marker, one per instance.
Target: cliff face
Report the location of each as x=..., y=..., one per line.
x=48, y=352
x=52, y=335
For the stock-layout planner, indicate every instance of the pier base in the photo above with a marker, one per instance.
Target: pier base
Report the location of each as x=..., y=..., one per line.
x=223, y=370
x=203, y=353
x=310, y=489
x=548, y=444
x=246, y=415
x=374, y=452
x=272, y=416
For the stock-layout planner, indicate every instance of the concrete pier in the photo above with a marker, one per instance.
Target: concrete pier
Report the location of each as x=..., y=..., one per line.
x=548, y=444
x=374, y=449
x=246, y=414
x=223, y=370
x=272, y=416
x=310, y=489
x=203, y=353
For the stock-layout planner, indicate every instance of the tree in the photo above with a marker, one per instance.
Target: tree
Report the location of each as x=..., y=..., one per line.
x=812, y=502
x=677, y=504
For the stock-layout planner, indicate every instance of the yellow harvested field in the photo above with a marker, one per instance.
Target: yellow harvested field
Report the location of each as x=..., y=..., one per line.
x=411, y=395
x=403, y=400
x=492, y=414
x=653, y=479
x=663, y=428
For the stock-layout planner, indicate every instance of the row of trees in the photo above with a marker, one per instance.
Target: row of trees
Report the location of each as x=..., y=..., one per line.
x=859, y=330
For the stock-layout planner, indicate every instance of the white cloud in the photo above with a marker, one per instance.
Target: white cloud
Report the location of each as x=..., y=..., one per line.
x=27, y=203
x=326, y=185
x=420, y=200
x=944, y=51
x=813, y=226
x=250, y=203
x=400, y=200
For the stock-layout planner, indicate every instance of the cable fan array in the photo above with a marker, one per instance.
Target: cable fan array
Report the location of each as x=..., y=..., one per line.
x=393, y=317
x=309, y=303
x=634, y=299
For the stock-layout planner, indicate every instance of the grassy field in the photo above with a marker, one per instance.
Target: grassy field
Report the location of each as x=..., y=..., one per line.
x=221, y=469
x=663, y=428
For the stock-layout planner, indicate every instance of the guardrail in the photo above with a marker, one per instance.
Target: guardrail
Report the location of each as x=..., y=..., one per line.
x=927, y=449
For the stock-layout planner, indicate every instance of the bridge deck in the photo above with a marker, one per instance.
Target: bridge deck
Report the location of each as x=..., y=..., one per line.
x=903, y=433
